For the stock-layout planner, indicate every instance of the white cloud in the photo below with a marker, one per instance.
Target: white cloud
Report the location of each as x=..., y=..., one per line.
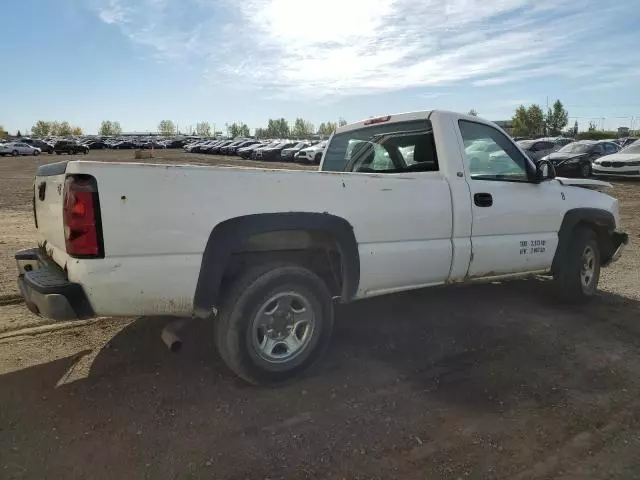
x=351, y=47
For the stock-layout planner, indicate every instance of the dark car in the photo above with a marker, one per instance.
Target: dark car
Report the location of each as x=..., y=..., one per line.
x=575, y=159
x=215, y=149
x=234, y=150
x=225, y=150
x=41, y=144
x=96, y=145
x=290, y=153
x=124, y=144
x=270, y=151
x=245, y=152
x=69, y=147
x=536, y=149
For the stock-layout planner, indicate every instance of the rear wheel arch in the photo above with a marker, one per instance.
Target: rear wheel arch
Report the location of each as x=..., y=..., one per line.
x=231, y=235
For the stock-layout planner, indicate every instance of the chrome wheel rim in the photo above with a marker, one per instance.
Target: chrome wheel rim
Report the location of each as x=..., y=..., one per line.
x=588, y=270
x=283, y=327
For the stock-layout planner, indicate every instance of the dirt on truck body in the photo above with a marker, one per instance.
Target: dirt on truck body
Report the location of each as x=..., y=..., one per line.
x=487, y=381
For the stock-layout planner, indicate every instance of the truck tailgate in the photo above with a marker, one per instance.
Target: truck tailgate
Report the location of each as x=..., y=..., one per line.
x=48, y=204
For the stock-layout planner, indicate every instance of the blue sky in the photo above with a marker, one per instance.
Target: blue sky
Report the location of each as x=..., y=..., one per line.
x=141, y=61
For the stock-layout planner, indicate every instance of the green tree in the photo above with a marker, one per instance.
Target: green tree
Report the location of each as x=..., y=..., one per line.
x=592, y=127
x=109, y=128
x=556, y=119
x=302, y=129
x=528, y=121
x=65, y=129
x=575, y=128
x=278, y=128
x=243, y=131
x=3, y=132
x=166, y=128
x=473, y=112
x=41, y=128
x=203, y=129
x=260, y=132
x=76, y=131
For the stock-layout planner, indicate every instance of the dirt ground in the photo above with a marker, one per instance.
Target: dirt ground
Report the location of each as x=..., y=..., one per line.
x=485, y=381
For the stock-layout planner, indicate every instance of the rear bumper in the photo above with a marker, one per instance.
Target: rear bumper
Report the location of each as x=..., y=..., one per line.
x=46, y=290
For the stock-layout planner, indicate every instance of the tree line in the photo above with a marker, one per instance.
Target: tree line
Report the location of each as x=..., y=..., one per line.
x=43, y=128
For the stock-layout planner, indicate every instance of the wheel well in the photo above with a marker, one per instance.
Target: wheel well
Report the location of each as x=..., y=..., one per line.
x=603, y=234
x=316, y=250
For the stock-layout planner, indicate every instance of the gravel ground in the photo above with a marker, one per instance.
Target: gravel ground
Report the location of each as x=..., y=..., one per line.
x=485, y=381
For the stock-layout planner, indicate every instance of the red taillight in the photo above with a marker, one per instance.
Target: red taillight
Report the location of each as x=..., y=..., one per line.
x=373, y=121
x=82, y=233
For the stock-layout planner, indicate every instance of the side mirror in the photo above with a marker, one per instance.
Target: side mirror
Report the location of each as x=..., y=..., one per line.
x=545, y=171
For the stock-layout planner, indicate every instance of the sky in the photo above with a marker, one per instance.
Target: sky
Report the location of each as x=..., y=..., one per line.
x=220, y=61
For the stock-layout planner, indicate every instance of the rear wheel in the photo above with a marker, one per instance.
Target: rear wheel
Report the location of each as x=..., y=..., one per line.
x=14, y=153
x=275, y=322
x=36, y=152
x=579, y=270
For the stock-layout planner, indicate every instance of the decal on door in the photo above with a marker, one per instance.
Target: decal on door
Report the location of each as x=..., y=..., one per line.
x=532, y=247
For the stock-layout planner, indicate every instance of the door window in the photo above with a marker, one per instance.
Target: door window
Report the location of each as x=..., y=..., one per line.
x=491, y=155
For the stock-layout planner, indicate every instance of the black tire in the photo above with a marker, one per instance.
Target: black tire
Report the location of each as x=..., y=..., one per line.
x=57, y=153
x=570, y=279
x=317, y=158
x=585, y=170
x=36, y=153
x=14, y=153
x=243, y=301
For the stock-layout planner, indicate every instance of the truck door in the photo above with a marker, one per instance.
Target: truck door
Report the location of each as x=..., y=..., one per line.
x=514, y=220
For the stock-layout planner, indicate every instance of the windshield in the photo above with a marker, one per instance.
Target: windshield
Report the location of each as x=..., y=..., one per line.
x=576, y=147
x=633, y=148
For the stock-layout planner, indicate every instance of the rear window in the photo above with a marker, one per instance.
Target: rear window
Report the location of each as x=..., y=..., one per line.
x=389, y=148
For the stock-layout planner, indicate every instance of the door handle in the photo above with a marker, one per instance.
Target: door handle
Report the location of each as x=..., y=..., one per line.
x=483, y=199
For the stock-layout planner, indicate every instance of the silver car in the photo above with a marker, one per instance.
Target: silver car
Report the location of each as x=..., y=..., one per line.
x=18, y=148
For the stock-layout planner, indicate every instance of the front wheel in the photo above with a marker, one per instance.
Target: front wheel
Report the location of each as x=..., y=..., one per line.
x=14, y=153
x=317, y=158
x=579, y=269
x=36, y=153
x=275, y=322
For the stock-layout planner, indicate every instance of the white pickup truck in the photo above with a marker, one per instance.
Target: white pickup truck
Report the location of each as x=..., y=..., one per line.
x=400, y=202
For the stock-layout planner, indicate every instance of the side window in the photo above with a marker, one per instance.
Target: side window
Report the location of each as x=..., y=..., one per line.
x=386, y=148
x=610, y=148
x=500, y=160
x=546, y=146
x=598, y=148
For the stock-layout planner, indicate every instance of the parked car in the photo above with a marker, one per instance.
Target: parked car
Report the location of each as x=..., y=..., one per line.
x=536, y=149
x=311, y=154
x=273, y=153
x=625, y=163
x=575, y=159
x=18, y=148
x=268, y=269
x=234, y=150
x=124, y=145
x=245, y=152
x=290, y=153
x=225, y=150
x=96, y=145
x=69, y=147
x=41, y=144
x=625, y=142
x=256, y=153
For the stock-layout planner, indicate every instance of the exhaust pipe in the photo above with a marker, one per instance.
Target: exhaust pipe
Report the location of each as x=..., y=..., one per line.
x=170, y=335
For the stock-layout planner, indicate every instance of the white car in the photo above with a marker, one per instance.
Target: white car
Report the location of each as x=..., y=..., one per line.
x=312, y=154
x=266, y=254
x=625, y=163
x=18, y=148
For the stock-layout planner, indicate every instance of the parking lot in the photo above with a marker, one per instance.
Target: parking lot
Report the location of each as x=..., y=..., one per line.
x=485, y=381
